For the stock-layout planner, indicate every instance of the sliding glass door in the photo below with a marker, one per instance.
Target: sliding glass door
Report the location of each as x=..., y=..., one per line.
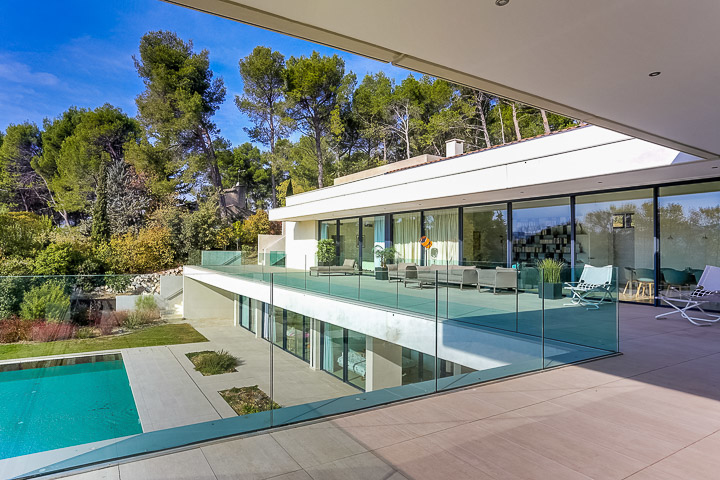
x=485, y=236
x=406, y=236
x=442, y=228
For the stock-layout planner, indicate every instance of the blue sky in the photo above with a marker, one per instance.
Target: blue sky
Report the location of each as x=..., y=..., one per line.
x=79, y=52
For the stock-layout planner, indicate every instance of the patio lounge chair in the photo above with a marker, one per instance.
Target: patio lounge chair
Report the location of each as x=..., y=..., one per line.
x=593, y=281
x=707, y=291
x=402, y=270
x=347, y=268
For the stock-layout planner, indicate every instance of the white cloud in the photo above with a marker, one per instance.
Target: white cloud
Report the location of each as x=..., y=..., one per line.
x=22, y=73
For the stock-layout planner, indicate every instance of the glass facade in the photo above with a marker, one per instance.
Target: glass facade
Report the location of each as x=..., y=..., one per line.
x=485, y=236
x=333, y=347
x=297, y=335
x=406, y=236
x=618, y=229
x=349, y=240
x=541, y=229
x=442, y=228
x=244, y=313
x=689, y=218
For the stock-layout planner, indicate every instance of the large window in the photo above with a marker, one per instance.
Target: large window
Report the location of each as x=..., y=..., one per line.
x=297, y=335
x=356, y=364
x=442, y=227
x=244, y=312
x=333, y=346
x=689, y=217
x=328, y=229
x=349, y=240
x=541, y=229
x=485, y=236
x=373, y=238
x=406, y=236
x=617, y=229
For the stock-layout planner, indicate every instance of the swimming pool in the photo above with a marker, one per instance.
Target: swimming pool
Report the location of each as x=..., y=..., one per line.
x=53, y=404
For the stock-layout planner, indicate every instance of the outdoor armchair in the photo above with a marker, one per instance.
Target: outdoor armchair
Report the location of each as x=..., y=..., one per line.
x=707, y=291
x=593, y=281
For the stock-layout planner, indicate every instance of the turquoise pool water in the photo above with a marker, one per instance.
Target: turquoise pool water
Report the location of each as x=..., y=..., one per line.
x=61, y=403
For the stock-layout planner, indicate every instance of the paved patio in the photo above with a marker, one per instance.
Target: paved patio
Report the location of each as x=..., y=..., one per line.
x=652, y=413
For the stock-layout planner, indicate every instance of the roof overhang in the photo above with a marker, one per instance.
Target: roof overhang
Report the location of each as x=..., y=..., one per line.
x=589, y=60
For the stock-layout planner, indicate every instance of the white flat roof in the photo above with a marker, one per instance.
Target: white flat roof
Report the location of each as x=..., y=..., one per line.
x=581, y=159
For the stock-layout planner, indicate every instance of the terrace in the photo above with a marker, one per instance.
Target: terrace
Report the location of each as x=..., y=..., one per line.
x=648, y=413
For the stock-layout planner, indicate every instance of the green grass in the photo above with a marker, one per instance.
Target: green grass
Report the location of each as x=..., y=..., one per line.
x=172, y=334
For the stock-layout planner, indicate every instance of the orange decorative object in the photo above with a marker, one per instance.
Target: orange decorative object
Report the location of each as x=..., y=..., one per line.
x=425, y=242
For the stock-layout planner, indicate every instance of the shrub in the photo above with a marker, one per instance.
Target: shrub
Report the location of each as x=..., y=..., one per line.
x=248, y=400
x=85, y=332
x=15, y=330
x=148, y=251
x=47, y=301
x=59, y=259
x=139, y=318
x=23, y=233
x=12, y=290
x=109, y=320
x=551, y=269
x=16, y=266
x=146, y=302
x=326, y=250
x=213, y=363
x=50, y=332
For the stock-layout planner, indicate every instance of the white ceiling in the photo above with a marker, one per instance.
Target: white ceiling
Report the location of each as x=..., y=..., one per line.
x=588, y=59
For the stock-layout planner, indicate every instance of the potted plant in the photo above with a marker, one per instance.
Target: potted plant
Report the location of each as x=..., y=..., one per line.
x=551, y=287
x=386, y=255
x=325, y=252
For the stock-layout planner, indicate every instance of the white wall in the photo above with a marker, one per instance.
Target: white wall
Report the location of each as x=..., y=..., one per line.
x=300, y=242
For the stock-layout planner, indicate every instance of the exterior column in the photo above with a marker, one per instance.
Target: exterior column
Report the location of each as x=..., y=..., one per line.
x=383, y=361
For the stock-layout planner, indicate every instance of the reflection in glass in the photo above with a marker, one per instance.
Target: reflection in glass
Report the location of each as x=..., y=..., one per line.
x=441, y=227
x=278, y=331
x=356, y=359
x=541, y=229
x=349, y=240
x=245, y=312
x=332, y=345
x=617, y=229
x=373, y=239
x=689, y=218
x=328, y=229
x=298, y=335
x=485, y=236
x=406, y=236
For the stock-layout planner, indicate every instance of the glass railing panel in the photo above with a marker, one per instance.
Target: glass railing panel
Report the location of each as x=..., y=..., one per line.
x=343, y=278
x=581, y=322
x=376, y=288
x=348, y=362
x=417, y=291
x=482, y=338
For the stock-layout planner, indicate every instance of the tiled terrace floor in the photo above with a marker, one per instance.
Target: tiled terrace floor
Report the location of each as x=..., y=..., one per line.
x=653, y=413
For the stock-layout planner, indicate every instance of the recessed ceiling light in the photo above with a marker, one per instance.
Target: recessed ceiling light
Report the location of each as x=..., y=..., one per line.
x=654, y=74
x=501, y=3
x=714, y=167
x=599, y=182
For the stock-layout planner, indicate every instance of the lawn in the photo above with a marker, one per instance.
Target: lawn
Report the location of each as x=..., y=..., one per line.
x=172, y=334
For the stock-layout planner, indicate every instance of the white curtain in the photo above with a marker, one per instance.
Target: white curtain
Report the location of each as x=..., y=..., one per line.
x=379, y=240
x=442, y=228
x=406, y=236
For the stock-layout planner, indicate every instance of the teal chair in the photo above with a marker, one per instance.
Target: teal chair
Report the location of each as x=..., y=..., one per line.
x=675, y=278
x=645, y=278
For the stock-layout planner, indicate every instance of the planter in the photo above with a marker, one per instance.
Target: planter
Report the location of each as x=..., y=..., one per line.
x=550, y=291
x=381, y=273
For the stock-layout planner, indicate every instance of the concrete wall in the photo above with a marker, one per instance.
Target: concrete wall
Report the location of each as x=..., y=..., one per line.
x=300, y=244
x=203, y=301
x=383, y=362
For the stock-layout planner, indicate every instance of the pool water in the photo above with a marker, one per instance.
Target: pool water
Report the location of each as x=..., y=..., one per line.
x=61, y=403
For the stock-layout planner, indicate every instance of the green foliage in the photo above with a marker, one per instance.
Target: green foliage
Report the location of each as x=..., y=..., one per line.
x=326, y=250
x=286, y=189
x=46, y=302
x=23, y=233
x=12, y=290
x=386, y=255
x=150, y=250
x=213, y=363
x=146, y=302
x=256, y=224
x=551, y=269
x=20, y=186
x=85, y=332
x=59, y=259
x=100, y=227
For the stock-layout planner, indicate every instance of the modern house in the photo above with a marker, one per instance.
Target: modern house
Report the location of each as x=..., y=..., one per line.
x=584, y=196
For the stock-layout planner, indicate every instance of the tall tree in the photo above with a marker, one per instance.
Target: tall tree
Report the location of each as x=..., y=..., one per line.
x=312, y=87
x=100, y=232
x=371, y=103
x=263, y=101
x=79, y=143
x=179, y=100
x=21, y=186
